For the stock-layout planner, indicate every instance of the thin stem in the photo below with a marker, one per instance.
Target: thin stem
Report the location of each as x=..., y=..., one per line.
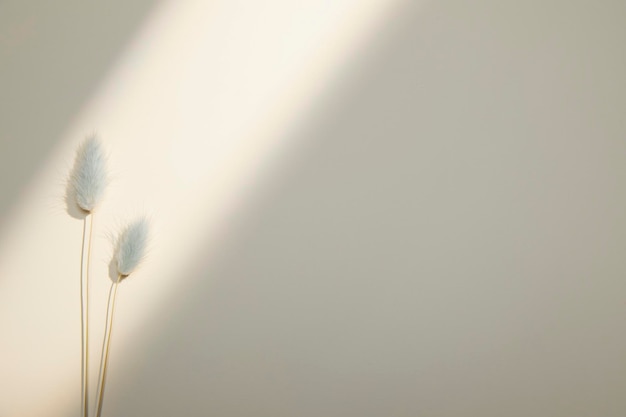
x=106, y=343
x=84, y=311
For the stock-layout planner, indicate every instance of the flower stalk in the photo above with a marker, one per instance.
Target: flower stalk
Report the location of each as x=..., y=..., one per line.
x=84, y=306
x=88, y=181
x=129, y=251
x=104, y=360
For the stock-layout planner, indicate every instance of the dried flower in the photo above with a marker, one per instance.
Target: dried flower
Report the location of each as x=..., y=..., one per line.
x=89, y=177
x=129, y=251
x=131, y=246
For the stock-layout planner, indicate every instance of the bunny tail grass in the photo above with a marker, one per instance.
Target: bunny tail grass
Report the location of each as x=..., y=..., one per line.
x=85, y=262
x=104, y=359
x=89, y=177
x=88, y=180
x=131, y=246
x=129, y=251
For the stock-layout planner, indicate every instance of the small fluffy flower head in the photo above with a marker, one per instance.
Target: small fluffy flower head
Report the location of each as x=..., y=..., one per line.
x=89, y=177
x=131, y=246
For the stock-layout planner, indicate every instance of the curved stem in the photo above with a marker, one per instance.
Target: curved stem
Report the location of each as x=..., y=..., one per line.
x=84, y=311
x=106, y=343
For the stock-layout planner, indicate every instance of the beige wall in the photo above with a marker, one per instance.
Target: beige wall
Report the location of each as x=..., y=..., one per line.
x=361, y=208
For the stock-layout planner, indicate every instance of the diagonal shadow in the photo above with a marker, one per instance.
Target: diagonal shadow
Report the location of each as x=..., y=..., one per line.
x=384, y=270
x=52, y=56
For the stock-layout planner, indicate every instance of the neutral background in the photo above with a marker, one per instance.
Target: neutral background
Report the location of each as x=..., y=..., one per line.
x=359, y=207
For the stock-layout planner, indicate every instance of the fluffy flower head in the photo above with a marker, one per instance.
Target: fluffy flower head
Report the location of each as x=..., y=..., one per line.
x=89, y=177
x=131, y=246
